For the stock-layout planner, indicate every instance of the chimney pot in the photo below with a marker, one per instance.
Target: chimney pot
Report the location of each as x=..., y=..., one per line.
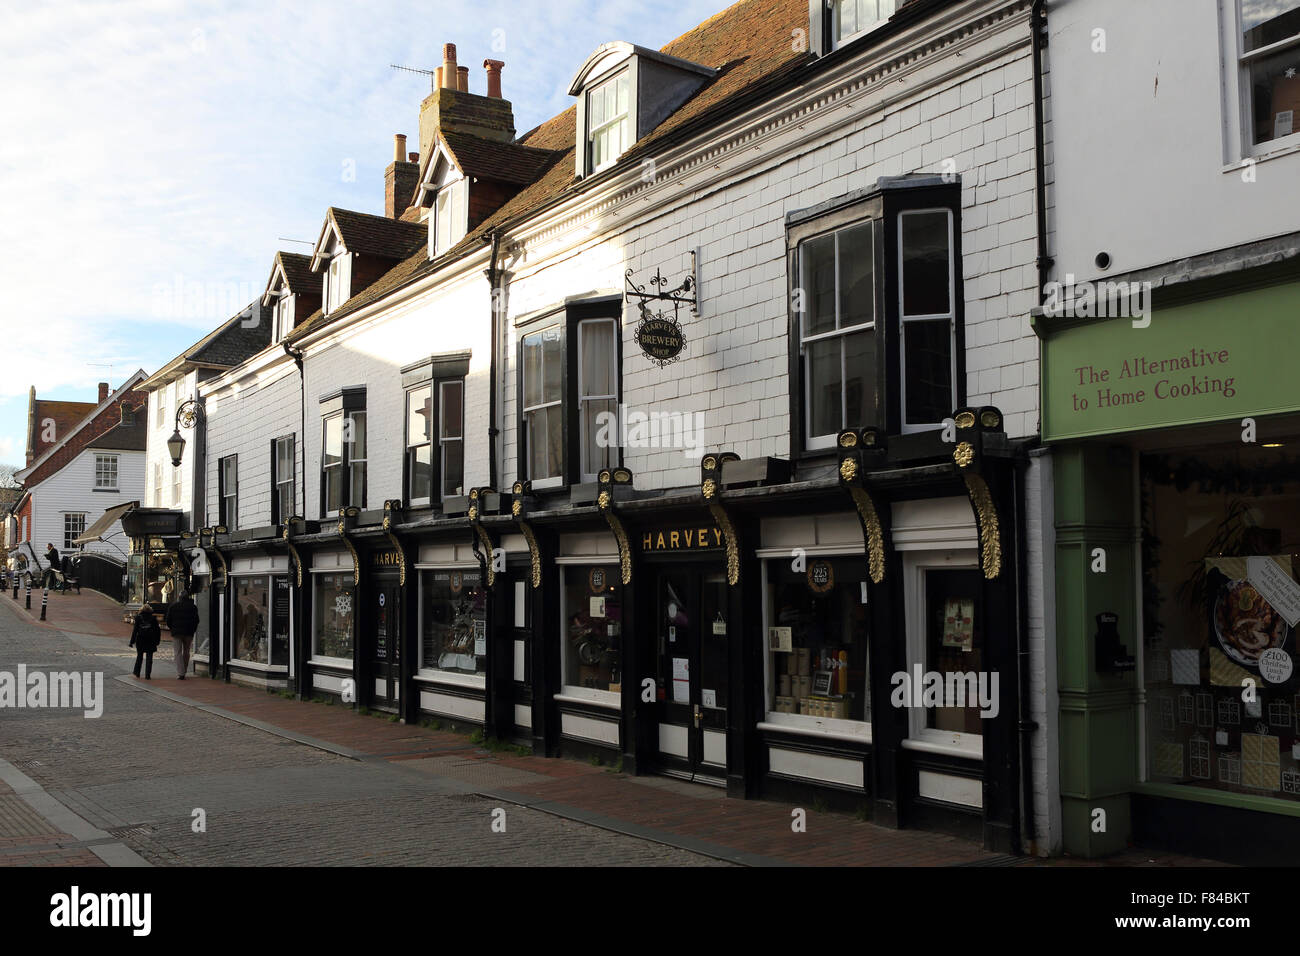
x=412, y=157
x=103, y=391
x=448, y=66
x=399, y=146
x=493, y=68
x=437, y=78
x=462, y=79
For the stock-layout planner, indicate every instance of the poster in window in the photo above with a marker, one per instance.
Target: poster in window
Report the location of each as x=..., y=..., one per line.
x=958, y=623
x=821, y=578
x=780, y=639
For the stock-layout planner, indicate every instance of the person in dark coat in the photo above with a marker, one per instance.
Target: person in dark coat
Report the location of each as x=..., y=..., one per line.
x=50, y=577
x=183, y=620
x=145, y=637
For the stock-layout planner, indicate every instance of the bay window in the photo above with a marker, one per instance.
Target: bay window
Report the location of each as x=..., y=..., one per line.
x=597, y=393
x=435, y=427
x=928, y=322
x=343, y=450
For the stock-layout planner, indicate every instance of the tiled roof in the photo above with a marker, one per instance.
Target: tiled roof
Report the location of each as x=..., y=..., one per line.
x=297, y=272
x=377, y=235
x=238, y=338
x=131, y=437
x=504, y=162
x=749, y=43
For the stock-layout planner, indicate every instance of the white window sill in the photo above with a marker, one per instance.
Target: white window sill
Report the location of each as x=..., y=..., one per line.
x=1288, y=146
x=586, y=695
x=851, y=731
x=429, y=675
x=331, y=662
x=240, y=662
x=954, y=745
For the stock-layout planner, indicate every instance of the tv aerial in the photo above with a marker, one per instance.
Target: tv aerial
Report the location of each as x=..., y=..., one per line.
x=411, y=69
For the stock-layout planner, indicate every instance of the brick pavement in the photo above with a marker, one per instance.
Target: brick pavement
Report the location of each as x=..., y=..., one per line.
x=672, y=813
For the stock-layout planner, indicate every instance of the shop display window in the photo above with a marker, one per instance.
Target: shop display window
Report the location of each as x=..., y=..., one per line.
x=1221, y=566
x=333, y=619
x=817, y=639
x=593, y=627
x=261, y=621
x=453, y=622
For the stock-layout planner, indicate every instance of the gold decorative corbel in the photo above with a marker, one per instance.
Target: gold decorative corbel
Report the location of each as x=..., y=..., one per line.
x=856, y=449
x=484, y=540
x=608, y=479
x=390, y=507
x=293, y=552
x=967, y=456
x=711, y=489
x=518, y=492
x=344, y=514
x=987, y=516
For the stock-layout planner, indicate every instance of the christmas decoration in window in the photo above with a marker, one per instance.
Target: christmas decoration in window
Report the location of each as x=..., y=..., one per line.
x=1204, y=709
x=1229, y=768
x=1186, y=707
x=1229, y=711
x=1199, y=754
x=1260, y=762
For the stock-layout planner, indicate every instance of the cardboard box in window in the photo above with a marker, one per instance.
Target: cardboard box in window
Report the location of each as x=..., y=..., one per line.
x=1286, y=99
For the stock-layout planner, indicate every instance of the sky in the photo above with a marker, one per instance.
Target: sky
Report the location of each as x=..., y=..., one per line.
x=155, y=155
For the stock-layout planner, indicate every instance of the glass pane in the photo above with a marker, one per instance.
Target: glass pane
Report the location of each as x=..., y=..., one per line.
x=452, y=411
x=828, y=632
x=333, y=489
x=860, y=379
x=252, y=620
x=357, y=443
x=454, y=621
x=535, y=425
x=818, y=285
x=599, y=435
x=284, y=458
x=332, y=621
x=825, y=392
x=597, y=360
x=857, y=276
x=928, y=371
x=285, y=503
x=421, y=472
x=552, y=365
x=418, y=409
x=554, y=440
x=357, y=494
x=954, y=647
x=593, y=623
x=333, y=440
x=925, y=263
x=622, y=93
x=453, y=467
x=1275, y=96
x=848, y=21
x=1268, y=21
x=596, y=106
x=533, y=370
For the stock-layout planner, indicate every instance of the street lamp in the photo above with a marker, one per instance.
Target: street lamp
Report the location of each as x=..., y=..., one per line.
x=188, y=414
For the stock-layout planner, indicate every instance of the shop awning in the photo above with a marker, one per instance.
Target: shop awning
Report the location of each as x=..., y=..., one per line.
x=103, y=523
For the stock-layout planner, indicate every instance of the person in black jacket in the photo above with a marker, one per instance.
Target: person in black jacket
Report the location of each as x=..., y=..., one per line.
x=145, y=637
x=183, y=620
x=50, y=578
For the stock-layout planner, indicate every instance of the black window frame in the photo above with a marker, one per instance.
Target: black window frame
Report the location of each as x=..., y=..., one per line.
x=277, y=515
x=883, y=205
x=227, y=520
x=344, y=403
x=432, y=373
x=567, y=317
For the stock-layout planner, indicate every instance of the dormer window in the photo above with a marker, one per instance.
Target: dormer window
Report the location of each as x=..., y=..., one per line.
x=612, y=112
x=850, y=18
x=609, y=120
x=283, y=316
x=447, y=225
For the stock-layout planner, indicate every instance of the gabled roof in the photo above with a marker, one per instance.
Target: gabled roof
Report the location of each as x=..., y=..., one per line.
x=294, y=270
x=608, y=55
x=65, y=438
x=370, y=235
x=748, y=45
x=489, y=159
x=238, y=338
x=123, y=437
x=65, y=416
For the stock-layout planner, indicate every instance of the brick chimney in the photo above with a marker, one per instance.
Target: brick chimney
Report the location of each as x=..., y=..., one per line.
x=452, y=106
x=493, y=68
x=103, y=391
x=400, y=179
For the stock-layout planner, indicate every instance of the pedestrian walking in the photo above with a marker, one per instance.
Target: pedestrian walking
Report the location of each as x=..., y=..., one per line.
x=183, y=620
x=145, y=637
x=51, y=576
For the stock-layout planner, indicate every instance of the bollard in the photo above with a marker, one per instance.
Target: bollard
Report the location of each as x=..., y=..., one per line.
x=45, y=599
x=15, y=587
x=29, y=594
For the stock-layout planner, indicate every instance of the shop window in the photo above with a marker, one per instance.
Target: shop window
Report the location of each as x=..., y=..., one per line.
x=106, y=472
x=593, y=627
x=344, y=442
x=74, y=526
x=1221, y=533
x=283, y=483
x=261, y=630
x=1268, y=69
x=568, y=421
x=876, y=336
x=453, y=621
x=818, y=630
x=228, y=492
x=332, y=622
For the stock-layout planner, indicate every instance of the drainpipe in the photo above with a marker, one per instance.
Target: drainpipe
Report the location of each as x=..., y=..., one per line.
x=296, y=355
x=1044, y=262
x=493, y=277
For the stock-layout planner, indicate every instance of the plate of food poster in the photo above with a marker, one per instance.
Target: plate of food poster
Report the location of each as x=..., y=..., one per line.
x=1245, y=624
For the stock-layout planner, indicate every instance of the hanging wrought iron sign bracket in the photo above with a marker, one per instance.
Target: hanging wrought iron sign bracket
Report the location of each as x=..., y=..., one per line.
x=658, y=334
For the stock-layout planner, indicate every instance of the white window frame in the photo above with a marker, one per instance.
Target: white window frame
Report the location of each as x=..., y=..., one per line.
x=904, y=320
x=833, y=11
x=229, y=499
x=583, y=398
x=1237, y=101
x=606, y=698
x=915, y=564
x=160, y=409
x=443, y=442
x=176, y=486
x=551, y=481
x=607, y=123
x=435, y=673
x=283, y=310
x=281, y=480
x=451, y=216
x=413, y=446
x=820, y=442
x=74, y=532
x=102, y=464
x=346, y=461
x=352, y=463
